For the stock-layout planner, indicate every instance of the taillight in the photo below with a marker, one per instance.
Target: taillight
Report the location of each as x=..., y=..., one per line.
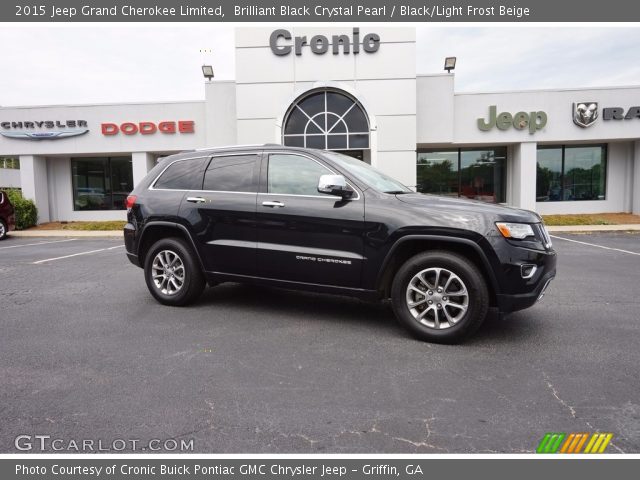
x=131, y=201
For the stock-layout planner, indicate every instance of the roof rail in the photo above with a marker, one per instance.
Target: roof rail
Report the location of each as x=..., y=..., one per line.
x=220, y=147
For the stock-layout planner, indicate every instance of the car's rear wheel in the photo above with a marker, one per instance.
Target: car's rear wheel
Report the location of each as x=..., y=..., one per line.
x=3, y=230
x=173, y=273
x=440, y=297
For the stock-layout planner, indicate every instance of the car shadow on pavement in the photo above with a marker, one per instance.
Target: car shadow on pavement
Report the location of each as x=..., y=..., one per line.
x=296, y=305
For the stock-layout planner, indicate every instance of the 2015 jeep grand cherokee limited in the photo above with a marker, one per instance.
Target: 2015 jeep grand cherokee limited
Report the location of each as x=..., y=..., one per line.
x=326, y=222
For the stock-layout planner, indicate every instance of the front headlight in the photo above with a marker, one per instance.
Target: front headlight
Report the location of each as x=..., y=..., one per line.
x=518, y=231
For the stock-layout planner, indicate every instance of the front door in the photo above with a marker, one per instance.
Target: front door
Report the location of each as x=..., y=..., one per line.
x=303, y=235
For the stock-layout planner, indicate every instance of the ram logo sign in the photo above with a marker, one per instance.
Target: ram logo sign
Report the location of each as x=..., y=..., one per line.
x=585, y=114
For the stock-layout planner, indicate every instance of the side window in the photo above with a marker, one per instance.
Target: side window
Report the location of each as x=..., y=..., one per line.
x=182, y=175
x=294, y=175
x=234, y=173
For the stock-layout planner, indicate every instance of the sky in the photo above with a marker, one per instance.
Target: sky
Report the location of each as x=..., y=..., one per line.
x=59, y=64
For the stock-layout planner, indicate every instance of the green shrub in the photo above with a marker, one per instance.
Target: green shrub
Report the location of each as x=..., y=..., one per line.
x=26, y=211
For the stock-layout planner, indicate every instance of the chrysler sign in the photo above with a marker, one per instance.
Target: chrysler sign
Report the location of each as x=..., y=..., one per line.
x=43, y=129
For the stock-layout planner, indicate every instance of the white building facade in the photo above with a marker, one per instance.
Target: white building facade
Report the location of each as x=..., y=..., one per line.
x=353, y=90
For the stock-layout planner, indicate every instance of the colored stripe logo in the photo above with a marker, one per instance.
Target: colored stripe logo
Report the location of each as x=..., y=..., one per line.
x=574, y=442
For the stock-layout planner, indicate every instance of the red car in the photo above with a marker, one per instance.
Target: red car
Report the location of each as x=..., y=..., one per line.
x=7, y=217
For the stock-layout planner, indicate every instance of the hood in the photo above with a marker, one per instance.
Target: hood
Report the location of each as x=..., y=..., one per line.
x=464, y=207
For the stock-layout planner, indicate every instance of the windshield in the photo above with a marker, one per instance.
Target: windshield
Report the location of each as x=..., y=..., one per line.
x=368, y=174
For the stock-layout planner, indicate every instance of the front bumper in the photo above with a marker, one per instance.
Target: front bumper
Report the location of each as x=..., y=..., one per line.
x=525, y=275
x=508, y=303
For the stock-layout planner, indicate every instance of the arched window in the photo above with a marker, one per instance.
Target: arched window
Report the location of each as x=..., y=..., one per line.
x=326, y=119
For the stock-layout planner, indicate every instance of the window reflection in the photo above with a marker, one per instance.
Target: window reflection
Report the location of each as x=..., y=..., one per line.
x=478, y=174
x=571, y=173
x=101, y=183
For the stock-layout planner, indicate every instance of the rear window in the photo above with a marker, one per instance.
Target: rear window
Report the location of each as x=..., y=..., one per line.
x=234, y=173
x=182, y=175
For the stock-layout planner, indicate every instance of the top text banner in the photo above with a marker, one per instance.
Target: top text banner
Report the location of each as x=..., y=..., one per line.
x=319, y=11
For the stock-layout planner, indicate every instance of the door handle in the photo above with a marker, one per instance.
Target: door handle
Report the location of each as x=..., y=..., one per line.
x=273, y=204
x=196, y=199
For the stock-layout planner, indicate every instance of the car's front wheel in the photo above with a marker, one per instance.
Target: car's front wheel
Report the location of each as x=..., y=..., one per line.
x=173, y=273
x=3, y=230
x=440, y=296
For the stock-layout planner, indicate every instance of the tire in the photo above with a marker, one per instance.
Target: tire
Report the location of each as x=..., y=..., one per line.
x=169, y=288
x=440, y=316
x=3, y=230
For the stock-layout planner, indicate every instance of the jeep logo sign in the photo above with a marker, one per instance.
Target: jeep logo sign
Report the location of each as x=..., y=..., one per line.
x=533, y=121
x=281, y=43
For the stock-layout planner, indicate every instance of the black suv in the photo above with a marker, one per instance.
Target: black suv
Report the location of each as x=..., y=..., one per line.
x=326, y=222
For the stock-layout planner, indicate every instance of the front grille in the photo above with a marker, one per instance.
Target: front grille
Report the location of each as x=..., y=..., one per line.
x=544, y=235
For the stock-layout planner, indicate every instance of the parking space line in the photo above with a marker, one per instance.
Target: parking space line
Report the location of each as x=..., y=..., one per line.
x=596, y=245
x=76, y=254
x=38, y=243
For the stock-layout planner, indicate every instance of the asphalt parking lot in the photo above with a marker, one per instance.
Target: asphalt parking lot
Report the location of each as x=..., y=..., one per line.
x=86, y=353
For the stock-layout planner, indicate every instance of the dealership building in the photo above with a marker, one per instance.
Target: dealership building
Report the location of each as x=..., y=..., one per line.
x=354, y=90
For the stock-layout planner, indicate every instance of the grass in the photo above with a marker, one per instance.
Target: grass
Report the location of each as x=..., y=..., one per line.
x=94, y=226
x=564, y=220
x=101, y=226
x=592, y=219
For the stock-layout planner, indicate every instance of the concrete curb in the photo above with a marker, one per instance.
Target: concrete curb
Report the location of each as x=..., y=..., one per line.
x=67, y=233
x=593, y=228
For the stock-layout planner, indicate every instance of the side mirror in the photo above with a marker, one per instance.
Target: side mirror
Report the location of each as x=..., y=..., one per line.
x=334, y=185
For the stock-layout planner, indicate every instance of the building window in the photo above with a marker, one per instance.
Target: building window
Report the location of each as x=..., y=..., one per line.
x=479, y=174
x=101, y=183
x=571, y=173
x=12, y=163
x=326, y=119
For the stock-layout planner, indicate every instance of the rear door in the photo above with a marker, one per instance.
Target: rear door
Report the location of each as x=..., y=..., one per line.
x=303, y=235
x=221, y=216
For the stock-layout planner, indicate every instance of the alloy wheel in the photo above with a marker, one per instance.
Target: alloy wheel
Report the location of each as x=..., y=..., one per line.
x=168, y=273
x=437, y=298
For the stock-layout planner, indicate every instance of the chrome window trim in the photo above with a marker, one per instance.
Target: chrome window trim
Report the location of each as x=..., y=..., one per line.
x=326, y=196
x=268, y=152
x=200, y=191
x=300, y=154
